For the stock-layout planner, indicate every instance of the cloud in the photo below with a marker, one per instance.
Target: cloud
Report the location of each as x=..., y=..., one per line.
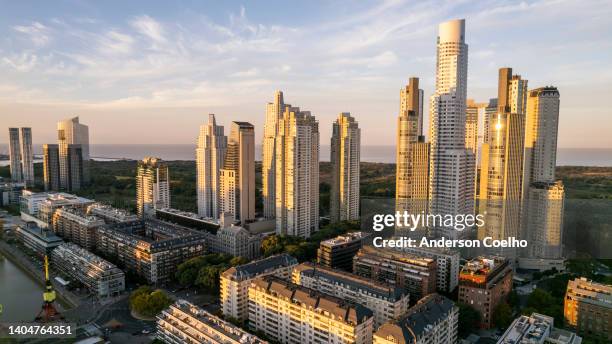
x=38, y=33
x=150, y=28
x=23, y=62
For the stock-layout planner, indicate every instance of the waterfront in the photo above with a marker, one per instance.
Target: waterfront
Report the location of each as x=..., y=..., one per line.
x=20, y=295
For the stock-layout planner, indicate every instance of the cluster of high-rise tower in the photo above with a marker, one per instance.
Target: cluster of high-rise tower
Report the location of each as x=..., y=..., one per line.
x=497, y=159
x=290, y=169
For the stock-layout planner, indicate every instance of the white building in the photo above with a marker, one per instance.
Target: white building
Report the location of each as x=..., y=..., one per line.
x=385, y=301
x=237, y=240
x=235, y=281
x=433, y=320
x=99, y=276
x=210, y=153
x=184, y=322
x=345, y=158
x=290, y=313
x=451, y=181
x=152, y=186
x=297, y=174
x=537, y=329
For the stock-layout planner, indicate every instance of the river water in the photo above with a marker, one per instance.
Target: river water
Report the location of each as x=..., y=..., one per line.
x=20, y=295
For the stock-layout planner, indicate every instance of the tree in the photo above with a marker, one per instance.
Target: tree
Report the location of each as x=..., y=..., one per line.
x=238, y=261
x=469, y=319
x=539, y=299
x=271, y=245
x=148, y=302
x=502, y=315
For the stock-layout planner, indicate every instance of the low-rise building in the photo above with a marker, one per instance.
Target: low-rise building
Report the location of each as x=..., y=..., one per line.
x=338, y=252
x=99, y=276
x=416, y=274
x=588, y=308
x=290, y=313
x=10, y=192
x=235, y=281
x=537, y=329
x=109, y=214
x=433, y=320
x=484, y=283
x=40, y=240
x=184, y=322
x=75, y=226
x=385, y=301
x=150, y=248
x=447, y=264
x=42, y=205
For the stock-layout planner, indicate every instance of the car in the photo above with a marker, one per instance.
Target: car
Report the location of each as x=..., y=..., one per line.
x=145, y=331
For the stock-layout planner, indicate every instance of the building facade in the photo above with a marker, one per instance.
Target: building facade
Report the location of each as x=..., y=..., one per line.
x=72, y=132
x=293, y=314
x=297, y=174
x=274, y=113
x=415, y=274
x=412, y=156
x=433, y=320
x=151, y=249
x=15, y=155
x=338, y=252
x=152, y=186
x=40, y=240
x=385, y=301
x=484, y=283
x=588, y=308
x=345, y=158
x=451, y=176
x=51, y=167
x=99, y=276
x=184, y=322
x=210, y=153
x=75, y=226
x=235, y=281
x=447, y=265
x=237, y=177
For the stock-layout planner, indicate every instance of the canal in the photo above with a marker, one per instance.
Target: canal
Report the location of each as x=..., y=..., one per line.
x=20, y=294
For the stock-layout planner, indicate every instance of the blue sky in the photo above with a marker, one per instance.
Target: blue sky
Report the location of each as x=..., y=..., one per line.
x=150, y=72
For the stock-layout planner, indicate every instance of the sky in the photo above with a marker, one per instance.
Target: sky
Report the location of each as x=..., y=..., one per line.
x=151, y=71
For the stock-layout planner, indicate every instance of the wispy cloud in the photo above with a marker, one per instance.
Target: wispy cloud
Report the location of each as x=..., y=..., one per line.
x=38, y=33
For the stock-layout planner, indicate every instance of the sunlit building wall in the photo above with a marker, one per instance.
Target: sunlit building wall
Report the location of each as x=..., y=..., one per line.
x=289, y=313
x=451, y=177
x=152, y=186
x=72, y=132
x=345, y=158
x=588, y=308
x=210, y=154
x=297, y=174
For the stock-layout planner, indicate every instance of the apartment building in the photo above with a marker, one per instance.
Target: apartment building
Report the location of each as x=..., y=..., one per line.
x=433, y=320
x=290, y=313
x=484, y=283
x=109, y=214
x=447, y=264
x=99, y=276
x=76, y=226
x=537, y=329
x=40, y=240
x=183, y=322
x=235, y=281
x=385, y=301
x=338, y=252
x=588, y=308
x=416, y=274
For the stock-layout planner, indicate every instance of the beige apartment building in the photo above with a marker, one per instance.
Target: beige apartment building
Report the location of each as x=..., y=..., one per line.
x=588, y=308
x=210, y=155
x=345, y=158
x=290, y=313
x=152, y=186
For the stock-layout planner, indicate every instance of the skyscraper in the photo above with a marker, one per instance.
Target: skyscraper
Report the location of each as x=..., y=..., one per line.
x=451, y=178
x=344, y=158
x=237, y=177
x=543, y=197
x=274, y=112
x=15, y=155
x=502, y=164
x=76, y=167
x=297, y=173
x=152, y=186
x=27, y=156
x=71, y=132
x=210, y=153
x=51, y=168
x=412, y=168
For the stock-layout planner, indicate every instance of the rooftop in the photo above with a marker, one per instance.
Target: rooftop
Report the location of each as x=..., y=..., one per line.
x=526, y=330
x=46, y=235
x=255, y=268
x=355, y=282
x=482, y=266
x=590, y=292
x=394, y=255
x=154, y=232
x=430, y=310
x=89, y=257
x=208, y=320
x=312, y=299
x=345, y=238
